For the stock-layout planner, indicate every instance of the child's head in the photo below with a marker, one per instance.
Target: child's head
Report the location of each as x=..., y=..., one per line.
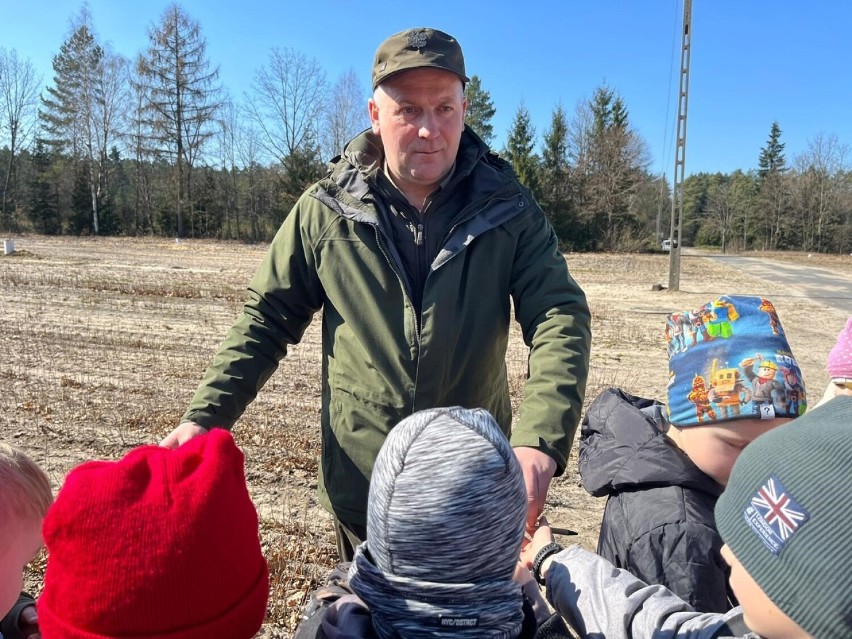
x=784, y=518
x=714, y=448
x=25, y=496
x=732, y=379
x=839, y=364
x=161, y=543
x=445, y=521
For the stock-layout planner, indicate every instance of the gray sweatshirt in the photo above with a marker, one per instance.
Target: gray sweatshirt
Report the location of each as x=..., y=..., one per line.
x=600, y=601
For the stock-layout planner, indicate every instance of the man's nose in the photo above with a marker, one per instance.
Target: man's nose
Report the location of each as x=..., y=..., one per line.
x=428, y=126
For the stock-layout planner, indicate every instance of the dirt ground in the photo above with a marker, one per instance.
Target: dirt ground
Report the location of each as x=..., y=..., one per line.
x=104, y=340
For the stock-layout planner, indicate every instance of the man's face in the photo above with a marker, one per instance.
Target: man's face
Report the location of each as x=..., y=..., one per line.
x=760, y=614
x=419, y=114
x=19, y=543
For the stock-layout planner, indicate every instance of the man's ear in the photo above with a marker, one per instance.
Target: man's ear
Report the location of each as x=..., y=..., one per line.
x=373, y=108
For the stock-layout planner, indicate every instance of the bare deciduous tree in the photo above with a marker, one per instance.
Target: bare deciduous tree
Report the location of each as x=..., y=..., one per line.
x=818, y=188
x=287, y=102
x=345, y=114
x=19, y=99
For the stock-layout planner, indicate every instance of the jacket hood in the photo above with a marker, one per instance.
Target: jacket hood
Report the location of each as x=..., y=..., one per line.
x=623, y=446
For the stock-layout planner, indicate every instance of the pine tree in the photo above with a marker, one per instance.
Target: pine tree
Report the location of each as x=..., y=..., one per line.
x=772, y=158
x=519, y=149
x=302, y=168
x=83, y=109
x=480, y=110
x=556, y=181
x=773, y=190
x=69, y=105
x=43, y=212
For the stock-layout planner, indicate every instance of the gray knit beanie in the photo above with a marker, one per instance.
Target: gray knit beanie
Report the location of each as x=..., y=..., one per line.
x=445, y=520
x=785, y=515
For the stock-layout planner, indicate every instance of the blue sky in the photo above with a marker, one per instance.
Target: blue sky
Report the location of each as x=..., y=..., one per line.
x=753, y=61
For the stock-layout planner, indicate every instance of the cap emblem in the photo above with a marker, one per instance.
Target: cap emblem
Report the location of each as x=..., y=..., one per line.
x=417, y=39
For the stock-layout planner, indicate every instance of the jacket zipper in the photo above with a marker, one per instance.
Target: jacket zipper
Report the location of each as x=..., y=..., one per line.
x=410, y=305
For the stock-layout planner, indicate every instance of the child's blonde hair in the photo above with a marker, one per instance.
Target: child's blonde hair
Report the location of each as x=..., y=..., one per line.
x=24, y=487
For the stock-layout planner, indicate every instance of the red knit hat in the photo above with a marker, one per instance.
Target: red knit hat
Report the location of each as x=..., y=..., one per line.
x=163, y=543
x=840, y=358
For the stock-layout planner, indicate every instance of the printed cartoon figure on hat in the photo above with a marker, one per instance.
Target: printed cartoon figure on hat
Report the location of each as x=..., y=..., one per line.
x=701, y=398
x=699, y=318
x=794, y=390
x=767, y=393
x=727, y=390
x=722, y=313
x=767, y=307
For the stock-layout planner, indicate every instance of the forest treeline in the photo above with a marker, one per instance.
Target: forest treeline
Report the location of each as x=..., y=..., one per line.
x=157, y=146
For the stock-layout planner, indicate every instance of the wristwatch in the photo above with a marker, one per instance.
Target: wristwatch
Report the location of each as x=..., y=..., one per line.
x=549, y=550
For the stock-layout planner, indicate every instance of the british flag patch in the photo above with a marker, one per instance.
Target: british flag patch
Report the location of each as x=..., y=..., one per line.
x=774, y=515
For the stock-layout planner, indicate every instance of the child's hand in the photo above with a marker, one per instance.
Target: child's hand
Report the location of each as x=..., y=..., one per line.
x=542, y=536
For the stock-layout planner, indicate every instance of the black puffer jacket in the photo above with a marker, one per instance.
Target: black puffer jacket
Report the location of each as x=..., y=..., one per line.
x=658, y=522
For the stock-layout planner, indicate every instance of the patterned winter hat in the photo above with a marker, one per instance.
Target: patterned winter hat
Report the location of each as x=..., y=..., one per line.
x=730, y=359
x=162, y=543
x=789, y=526
x=840, y=358
x=443, y=478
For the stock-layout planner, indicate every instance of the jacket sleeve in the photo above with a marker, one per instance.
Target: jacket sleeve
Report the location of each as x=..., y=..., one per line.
x=556, y=324
x=599, y=600
x=686, y=559
x=283, y=296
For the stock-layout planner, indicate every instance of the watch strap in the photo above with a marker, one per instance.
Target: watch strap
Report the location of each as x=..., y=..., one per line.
x=550, y=549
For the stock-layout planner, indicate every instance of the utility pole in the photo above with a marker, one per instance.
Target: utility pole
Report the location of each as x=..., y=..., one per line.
x=680, y=151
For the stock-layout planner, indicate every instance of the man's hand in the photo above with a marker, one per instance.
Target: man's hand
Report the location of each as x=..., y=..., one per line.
x=538, y=468
x=182, y=434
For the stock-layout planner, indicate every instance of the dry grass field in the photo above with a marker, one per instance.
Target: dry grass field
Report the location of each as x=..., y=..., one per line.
x=104, y=340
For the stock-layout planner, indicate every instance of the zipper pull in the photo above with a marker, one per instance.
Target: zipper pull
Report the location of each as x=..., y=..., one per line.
x=418, y=235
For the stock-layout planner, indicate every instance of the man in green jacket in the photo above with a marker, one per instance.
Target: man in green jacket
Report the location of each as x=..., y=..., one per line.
x=413, y=247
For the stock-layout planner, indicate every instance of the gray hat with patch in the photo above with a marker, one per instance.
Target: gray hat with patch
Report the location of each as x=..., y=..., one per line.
x=416, y=49
x=785, y=516
x=445, y=520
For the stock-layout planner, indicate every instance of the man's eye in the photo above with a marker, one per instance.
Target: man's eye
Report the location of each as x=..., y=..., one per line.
x=409, y=110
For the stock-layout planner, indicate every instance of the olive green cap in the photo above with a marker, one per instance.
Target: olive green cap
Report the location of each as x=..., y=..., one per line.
x=415, y=49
